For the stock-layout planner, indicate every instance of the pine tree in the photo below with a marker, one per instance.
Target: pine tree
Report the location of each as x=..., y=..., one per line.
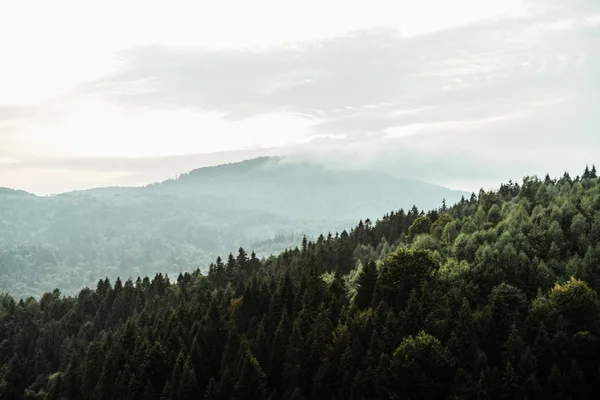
x=367, y=280
x=295, y=394
x=412, y=316
x=232, y=270
x=586, y=173
x=509, y=388
x=464, y=341
x=188, y=386
x=226, y=385
x=167, y=392
x=212, y=390
x=53, y=394
x=251, y=382
x=242, y=262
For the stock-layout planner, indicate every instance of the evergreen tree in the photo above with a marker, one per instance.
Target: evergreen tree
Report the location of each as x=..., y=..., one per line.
x=251, y=382
x=366, y=285
x=188, y=387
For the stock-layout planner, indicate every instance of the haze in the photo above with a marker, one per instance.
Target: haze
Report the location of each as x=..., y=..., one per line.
x=464, y=94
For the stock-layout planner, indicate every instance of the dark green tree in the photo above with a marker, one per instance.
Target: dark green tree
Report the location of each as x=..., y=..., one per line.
x=366, y=285
x=252, y=381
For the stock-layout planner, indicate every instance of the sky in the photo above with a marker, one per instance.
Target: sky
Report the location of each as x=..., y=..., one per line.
x=466, y=94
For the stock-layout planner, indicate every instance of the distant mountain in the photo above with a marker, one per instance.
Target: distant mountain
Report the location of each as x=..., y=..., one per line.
x=276, y=185
x=264, y=204
x=12, y=192
x=309, y=190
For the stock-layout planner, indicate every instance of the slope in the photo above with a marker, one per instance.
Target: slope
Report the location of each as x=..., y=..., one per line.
x=73, y=239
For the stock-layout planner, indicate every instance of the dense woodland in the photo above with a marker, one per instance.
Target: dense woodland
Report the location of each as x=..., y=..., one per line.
x=495, y=297
x=71, y=240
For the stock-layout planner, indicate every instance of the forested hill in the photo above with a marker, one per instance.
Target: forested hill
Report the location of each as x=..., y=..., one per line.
x=299, y=189
x=265, y=205
x=495, y=297
x=12, y=192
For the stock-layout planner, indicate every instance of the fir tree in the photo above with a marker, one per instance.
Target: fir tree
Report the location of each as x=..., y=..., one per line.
x=366, y=285
x=251, y=382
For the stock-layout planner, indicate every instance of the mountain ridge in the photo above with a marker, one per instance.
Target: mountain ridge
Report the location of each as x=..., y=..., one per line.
x=251, y=164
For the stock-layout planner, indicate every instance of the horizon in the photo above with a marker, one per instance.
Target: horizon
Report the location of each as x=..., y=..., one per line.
x=243, y=160
x=179, y=175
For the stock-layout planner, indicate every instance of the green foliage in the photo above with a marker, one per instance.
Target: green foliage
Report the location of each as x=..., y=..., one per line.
x=426, y=242
x=577, y=303
x=453, y=270
x=367, y=280
x=403, y=271
x=421, y=226
x=437, y=228
x=490, y=312
x=421, y=368
x=251, y=382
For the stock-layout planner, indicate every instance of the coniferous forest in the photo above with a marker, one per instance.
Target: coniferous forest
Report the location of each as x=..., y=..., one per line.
x=494, y=297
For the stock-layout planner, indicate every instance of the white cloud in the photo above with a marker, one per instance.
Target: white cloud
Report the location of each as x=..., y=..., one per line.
x=46, y=45
x=443, y=80
x=593, y=20
x=408, y=111
x=447, y=127
x=101, y=130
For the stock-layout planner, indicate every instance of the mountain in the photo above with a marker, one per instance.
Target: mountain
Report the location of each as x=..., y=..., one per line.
x=274, y=185
x=495, y=297
x=310, y=190
x=265, y=204
x=12, y=192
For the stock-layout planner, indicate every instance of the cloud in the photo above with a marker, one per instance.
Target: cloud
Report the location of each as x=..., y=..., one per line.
x=355, y=80
x=466, y=106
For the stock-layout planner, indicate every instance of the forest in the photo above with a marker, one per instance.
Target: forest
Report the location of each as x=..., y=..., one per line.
x=493, y=297
x=265, y=205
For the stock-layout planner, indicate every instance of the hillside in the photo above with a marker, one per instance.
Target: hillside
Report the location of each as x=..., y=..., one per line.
x=495, y=297
x=12, y=192
x=277, y=186
x=266, y=204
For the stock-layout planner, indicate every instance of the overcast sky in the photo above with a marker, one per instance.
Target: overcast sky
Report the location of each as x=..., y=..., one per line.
x=467, y=93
